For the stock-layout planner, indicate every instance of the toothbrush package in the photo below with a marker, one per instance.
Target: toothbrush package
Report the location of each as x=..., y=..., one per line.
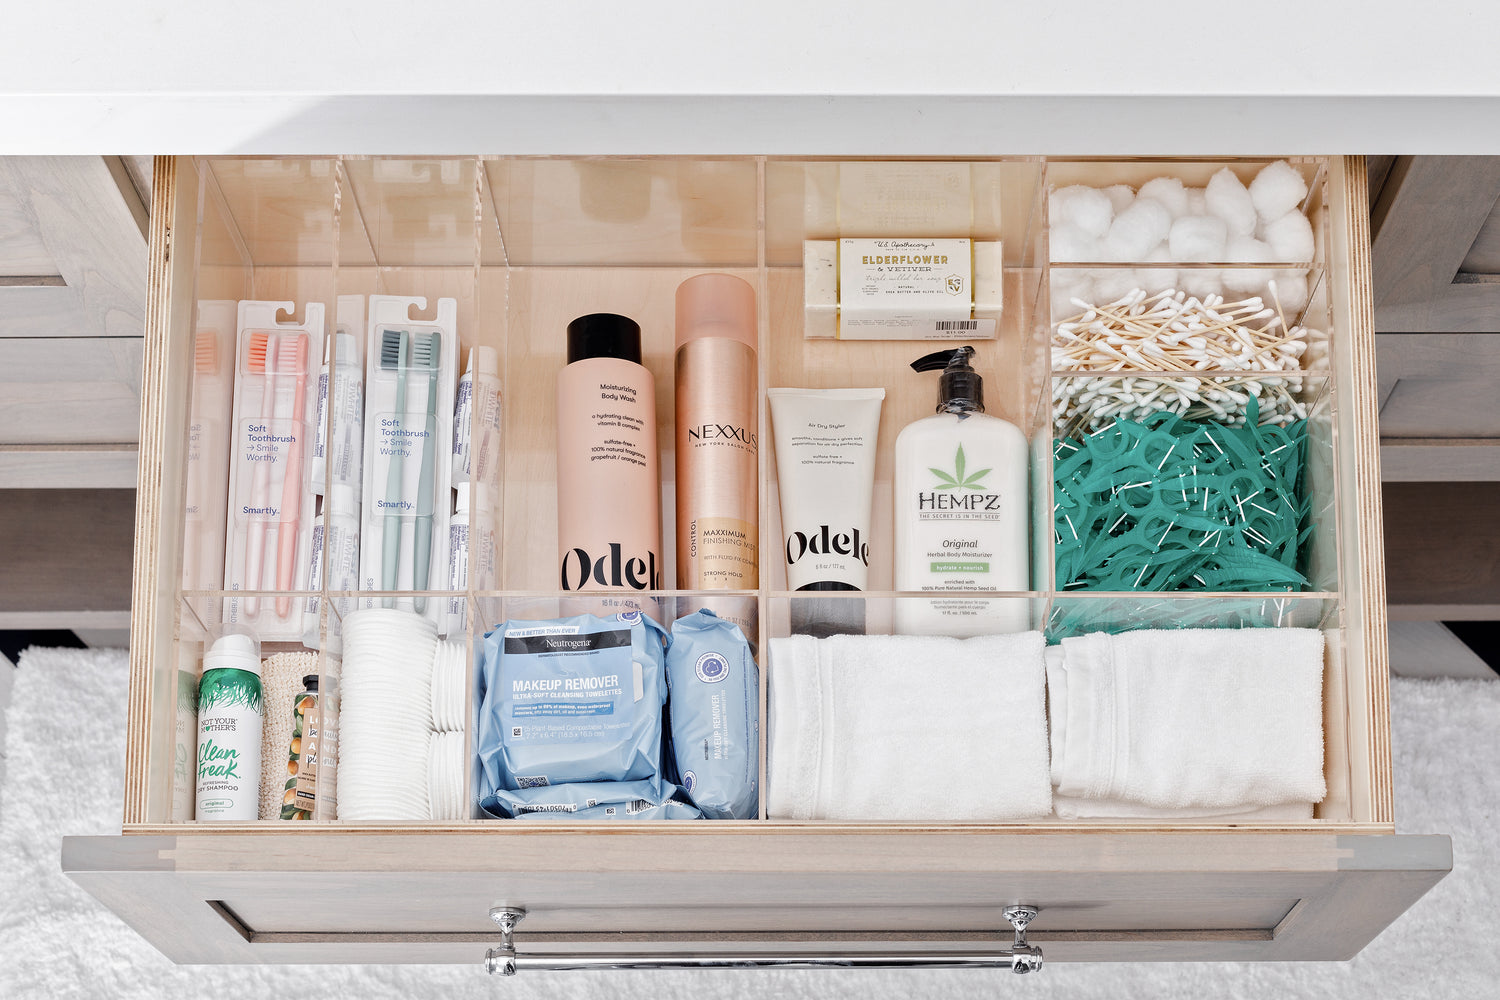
x=339, y=454
x=208, y=444
x=410, y=370
x=335, y=544
x=473, y=551
x=341, y=401
x=268, y=530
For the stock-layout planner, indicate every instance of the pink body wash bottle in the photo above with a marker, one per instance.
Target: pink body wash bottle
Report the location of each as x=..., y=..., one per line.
x=608, y=483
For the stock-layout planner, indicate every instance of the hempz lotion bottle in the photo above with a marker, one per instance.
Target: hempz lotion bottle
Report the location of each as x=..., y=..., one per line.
x=229, y=724
x=608, y=500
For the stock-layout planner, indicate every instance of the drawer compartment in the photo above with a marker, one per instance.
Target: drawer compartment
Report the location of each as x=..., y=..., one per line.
x=525, y=245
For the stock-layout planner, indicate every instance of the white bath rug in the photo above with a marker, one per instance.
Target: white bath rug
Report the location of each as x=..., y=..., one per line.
x=65, y=742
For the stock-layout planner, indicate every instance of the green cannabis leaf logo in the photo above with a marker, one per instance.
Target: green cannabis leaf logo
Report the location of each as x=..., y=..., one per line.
x=956, y=480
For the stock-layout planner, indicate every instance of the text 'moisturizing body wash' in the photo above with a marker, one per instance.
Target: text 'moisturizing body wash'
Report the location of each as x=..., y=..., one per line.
x=608, y=499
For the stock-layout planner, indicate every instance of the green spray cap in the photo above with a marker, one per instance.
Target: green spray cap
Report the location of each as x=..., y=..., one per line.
x=959, y=387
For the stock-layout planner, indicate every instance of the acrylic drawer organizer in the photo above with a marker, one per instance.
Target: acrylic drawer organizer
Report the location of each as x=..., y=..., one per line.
x=525, y=245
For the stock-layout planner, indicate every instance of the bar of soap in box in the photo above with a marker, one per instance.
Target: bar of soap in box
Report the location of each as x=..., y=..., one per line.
x=901, y=289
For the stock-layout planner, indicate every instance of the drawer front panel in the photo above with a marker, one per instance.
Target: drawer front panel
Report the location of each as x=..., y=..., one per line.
x=1178, y=897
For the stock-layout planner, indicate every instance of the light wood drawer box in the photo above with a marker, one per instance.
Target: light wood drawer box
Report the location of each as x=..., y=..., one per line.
x=527, y=244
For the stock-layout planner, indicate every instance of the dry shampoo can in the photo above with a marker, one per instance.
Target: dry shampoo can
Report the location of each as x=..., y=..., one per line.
x=229, y=725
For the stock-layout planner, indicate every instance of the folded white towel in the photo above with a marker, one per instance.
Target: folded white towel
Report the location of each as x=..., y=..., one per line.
x=907, y=728
x=1198, y=719
x=1068, y=807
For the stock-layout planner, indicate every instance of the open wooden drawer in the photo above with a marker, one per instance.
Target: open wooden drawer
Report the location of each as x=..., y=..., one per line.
x=524, y=245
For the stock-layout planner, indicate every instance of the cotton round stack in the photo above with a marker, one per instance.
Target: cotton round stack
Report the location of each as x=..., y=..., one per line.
x=445, y=776
x=449, y=678
x=385, y=716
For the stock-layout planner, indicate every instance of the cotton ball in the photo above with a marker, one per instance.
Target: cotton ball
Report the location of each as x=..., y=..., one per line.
x=1197, y=201
x=1198, y=237
x=1227, y=198
x=1158, y=279
x=1201, y=282
x=1291, y=237
x=1138, y=230
x=1291, y=293
x=1066, y=242
x=1251, y=251
x=1120, y=196
x=1087, y=208
x=1277, y=189
x=1114, y=284
x=1067, y=286
x=1170, y=192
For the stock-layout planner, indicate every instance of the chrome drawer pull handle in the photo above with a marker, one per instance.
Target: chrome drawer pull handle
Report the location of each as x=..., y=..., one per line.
x=1020, y=958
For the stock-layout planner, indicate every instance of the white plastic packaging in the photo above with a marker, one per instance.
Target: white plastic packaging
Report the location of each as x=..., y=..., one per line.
x=476, y=417
x=336, y=539
x=341, y=404
x=458, y=563
x=410, y=370
x=230, y=717
x=268, y=530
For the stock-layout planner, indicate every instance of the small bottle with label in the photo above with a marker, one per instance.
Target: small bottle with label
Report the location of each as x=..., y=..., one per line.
x=300, y=794
x=961, y=509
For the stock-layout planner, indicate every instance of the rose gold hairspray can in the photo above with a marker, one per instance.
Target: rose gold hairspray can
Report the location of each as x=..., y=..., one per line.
x=718, y=470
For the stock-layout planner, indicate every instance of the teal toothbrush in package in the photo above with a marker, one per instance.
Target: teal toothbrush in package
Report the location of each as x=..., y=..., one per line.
x=410, y=372
x=715, y=714
x=571, y=700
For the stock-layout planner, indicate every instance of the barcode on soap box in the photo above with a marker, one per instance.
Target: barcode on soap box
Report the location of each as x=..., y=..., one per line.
x=915, y=328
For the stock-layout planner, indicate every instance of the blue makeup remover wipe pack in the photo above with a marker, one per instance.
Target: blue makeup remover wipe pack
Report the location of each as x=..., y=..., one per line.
x=571, y=700
x=715, y=715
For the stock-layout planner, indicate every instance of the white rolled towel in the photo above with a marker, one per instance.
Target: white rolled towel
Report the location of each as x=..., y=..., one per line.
x=1211, y=721
x=907, y=728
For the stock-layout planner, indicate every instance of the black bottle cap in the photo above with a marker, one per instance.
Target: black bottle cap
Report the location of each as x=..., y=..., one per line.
x=604, y=335
x=959, y=387
x=310, y=682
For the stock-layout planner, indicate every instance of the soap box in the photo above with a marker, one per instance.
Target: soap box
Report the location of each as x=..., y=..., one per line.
x=922, y=288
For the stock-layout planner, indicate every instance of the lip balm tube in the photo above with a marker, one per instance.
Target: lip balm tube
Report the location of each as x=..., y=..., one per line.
x=825, y=467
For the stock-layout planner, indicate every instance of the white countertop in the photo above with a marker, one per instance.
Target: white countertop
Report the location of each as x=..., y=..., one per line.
x=774, y=76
